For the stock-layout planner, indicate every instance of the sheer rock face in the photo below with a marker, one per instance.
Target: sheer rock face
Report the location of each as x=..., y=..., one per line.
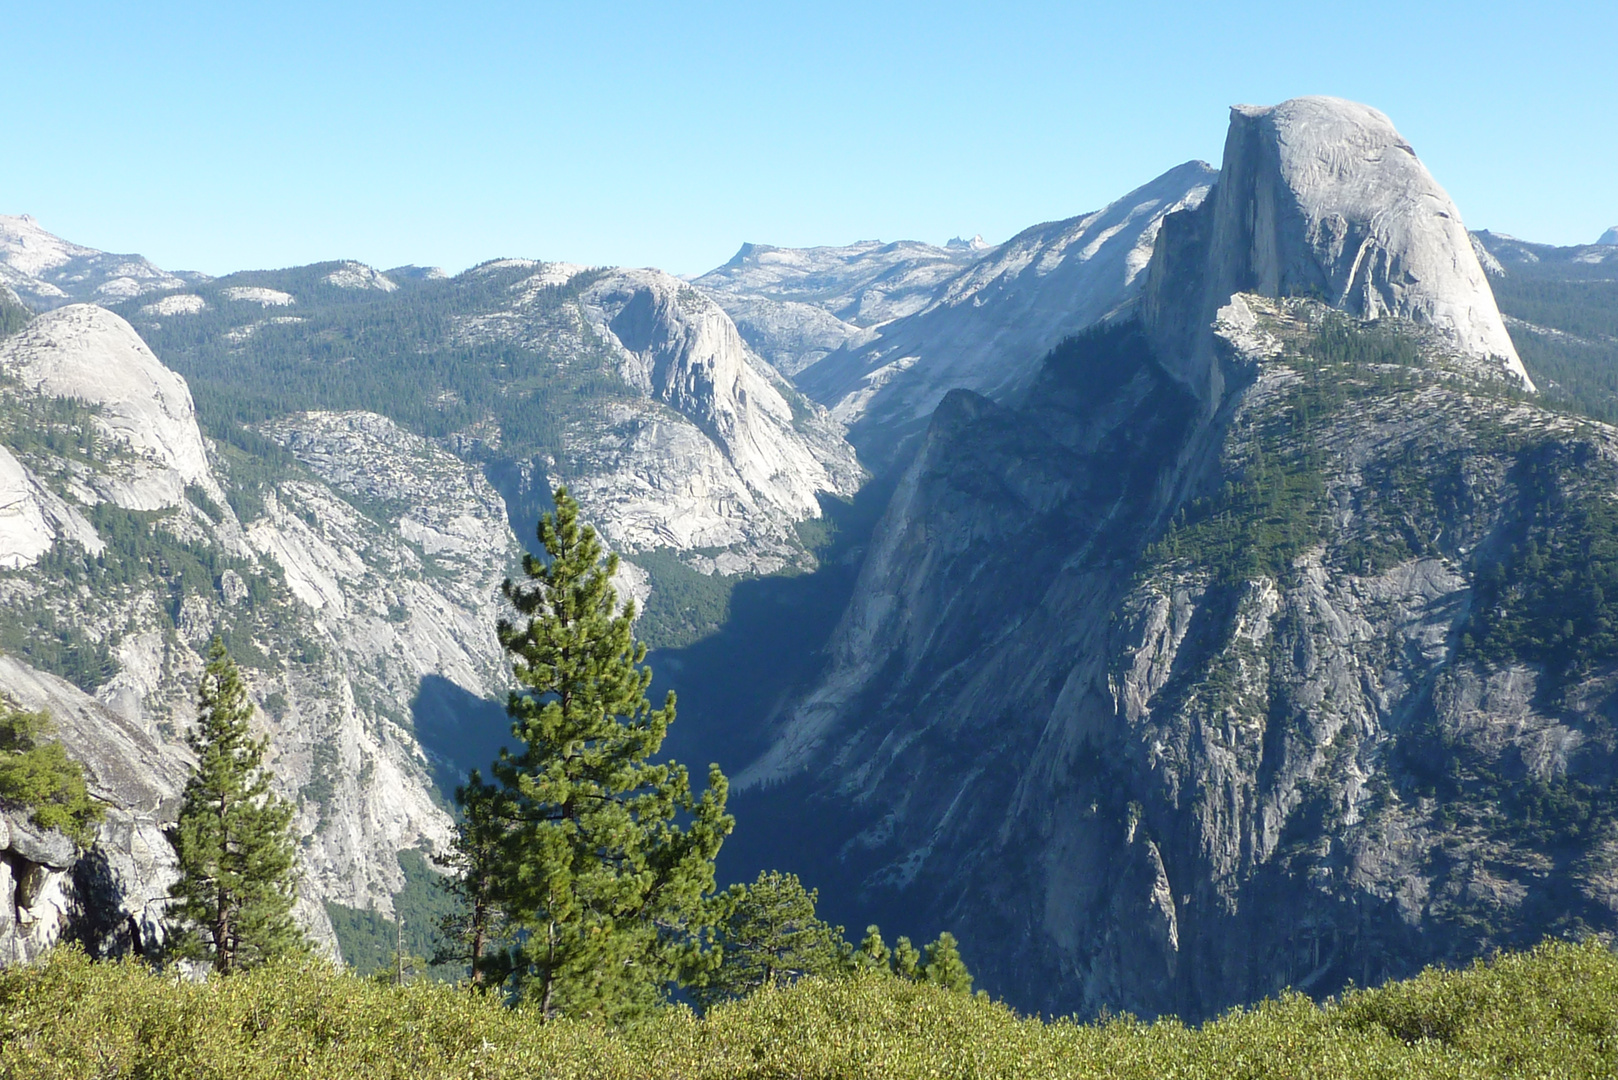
x=112, y=896
x=1323, y=198
x=1128, y=784
x=717, y=451
x=360, y=592
x=682, y=350
x=85, y=353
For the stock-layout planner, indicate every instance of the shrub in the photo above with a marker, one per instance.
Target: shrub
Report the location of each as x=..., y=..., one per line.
x=1549, y=1012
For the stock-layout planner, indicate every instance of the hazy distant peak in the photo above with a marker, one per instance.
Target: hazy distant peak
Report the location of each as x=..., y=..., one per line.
x=977, y=243
x=46, y=271
x=412, y=272
x=1610, y=236
x=356, y=275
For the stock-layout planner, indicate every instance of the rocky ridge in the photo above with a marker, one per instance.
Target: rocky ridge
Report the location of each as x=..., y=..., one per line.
x=1321, y=197
x=716, y=450
x=47, y=271
x=796, y=305
x=351, y=565
x=986, y=325
x=1504, y=255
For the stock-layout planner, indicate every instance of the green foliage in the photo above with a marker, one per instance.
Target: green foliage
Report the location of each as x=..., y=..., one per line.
x=608, y=858
x=13, y=315
x=940, y=964
x=59, y=427
x=202, y=501
x=943, y=967
x=1579, y=372
x=686, y=605
x=236, y=855
x=38, y=636
x=474, y=924
x=1273, y=507
x=1546, y=1013
x=405, y=354
x=1552, y=599
x=39, y=778
x=767, y=934
x=141, y=553
x=368, y=939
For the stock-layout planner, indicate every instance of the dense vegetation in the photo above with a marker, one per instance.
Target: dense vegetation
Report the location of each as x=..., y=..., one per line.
x=410, y=355
x=370, y=940
x=686, y=605
x=13, y=315
x=38, y=779
x=1272, y=509
x=233, y=844
x=586, y=864
x=1578, y=368
x=1552, y=596
x=1552, y=1012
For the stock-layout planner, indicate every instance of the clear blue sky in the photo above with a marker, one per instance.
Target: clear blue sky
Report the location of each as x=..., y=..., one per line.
x=226, y=136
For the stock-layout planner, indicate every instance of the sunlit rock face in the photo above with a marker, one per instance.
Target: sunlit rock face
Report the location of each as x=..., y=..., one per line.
x=1322, y=198
x=85, y=353
x=987, y=327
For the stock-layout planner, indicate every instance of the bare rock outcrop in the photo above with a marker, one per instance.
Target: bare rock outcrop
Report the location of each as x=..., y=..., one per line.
x=47, y=271
x=714, y=448
x=985, y=326
x=111, y=897
x=85, y=353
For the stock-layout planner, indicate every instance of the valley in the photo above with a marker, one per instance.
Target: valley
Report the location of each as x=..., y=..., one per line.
x=1182, y=601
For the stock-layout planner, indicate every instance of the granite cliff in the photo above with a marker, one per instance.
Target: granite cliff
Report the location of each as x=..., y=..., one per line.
x=351, y=563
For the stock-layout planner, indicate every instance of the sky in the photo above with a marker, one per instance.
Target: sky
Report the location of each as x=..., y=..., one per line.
x=219, y=137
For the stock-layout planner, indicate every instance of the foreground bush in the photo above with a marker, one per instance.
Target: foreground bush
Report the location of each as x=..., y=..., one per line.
x=1550, y=1012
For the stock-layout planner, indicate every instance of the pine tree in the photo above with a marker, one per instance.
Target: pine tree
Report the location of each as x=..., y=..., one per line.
x=939, y=964
x=474, y=932
x=873, y=951
x=906, y=960
x=769, y=935
x=608, y=858
x=238, y=865
x=944, y=967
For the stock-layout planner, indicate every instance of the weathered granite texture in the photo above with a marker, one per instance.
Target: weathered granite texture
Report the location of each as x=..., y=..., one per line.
x=1323, y=198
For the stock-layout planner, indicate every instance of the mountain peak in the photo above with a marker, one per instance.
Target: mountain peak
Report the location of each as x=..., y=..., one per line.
x=977, y=243
x=1610, y=236
x=1319, y=196
x=46, y=271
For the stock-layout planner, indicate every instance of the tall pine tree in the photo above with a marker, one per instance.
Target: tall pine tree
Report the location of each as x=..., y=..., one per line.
x=608, y=857
x=475, y=931
x=238, y=866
